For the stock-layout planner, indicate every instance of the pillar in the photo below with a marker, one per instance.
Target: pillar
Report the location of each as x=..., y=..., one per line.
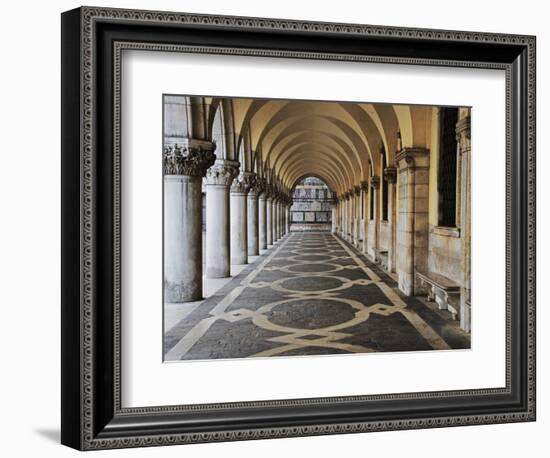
x=268, y=220
x=288, y=215
x=262, y=220
x=390, y=173
x=183, y=167
x=334, y=216
x=463, y=133
x=239, y=217
x=276, y=235
x=253, y=220
x=365, y=213
x=372, y=250
x=356, y=215
x=412, y=232
x=218, y=180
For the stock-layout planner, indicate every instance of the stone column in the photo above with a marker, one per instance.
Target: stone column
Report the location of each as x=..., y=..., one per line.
x=341, y=201
x=268, y=220
x=276, y=234
x=288, y=215
x=184, y=166
x=412, y=232
x=356, y=215
x=373, y=219
x=218, y=179
x=463, y=134
x=334, y=214
x=365, y=191
x=253, y=220
x=239, y=217
x=262, y=220
x=390, y=174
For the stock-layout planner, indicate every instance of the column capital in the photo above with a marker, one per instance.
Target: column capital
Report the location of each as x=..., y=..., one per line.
x=243, y=182
x=222, y=172
x=413, y=157
x=375, y=182
x=357, y=190
x=463, y=134
x=190, y=157
x=390, y=174
x=365, y=185
x=258, y=187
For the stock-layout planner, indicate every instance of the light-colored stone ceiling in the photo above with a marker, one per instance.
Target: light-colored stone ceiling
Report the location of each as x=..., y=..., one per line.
x=333, y=140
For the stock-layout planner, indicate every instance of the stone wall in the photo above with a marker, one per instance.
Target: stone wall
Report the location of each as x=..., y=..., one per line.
x=445, y=253
x=312, y=205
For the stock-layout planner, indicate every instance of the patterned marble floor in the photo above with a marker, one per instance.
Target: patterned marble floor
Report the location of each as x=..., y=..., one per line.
x=311, y=294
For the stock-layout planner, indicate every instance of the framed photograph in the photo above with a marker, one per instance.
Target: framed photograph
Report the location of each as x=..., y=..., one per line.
x=276, y=228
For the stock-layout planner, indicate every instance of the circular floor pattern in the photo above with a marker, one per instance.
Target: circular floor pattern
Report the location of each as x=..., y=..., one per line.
x=312, y=268
x=315, y=258
x=312, y=251
x=310, y=314
x=308, y=283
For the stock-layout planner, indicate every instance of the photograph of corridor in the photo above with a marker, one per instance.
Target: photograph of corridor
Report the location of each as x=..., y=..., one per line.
x=298, y=227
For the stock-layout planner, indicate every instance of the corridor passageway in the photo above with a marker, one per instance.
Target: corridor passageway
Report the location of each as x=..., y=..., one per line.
x=312, y=293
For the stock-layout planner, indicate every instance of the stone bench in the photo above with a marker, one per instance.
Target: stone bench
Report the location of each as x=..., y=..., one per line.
x=444, y=291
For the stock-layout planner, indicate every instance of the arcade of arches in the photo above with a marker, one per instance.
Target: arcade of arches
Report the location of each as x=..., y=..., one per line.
x=387, y=268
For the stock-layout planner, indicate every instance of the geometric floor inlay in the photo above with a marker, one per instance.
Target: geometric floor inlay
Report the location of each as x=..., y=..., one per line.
x=311, y=294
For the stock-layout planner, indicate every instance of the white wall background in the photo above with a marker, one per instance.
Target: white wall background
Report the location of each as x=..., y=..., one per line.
x=30, y=214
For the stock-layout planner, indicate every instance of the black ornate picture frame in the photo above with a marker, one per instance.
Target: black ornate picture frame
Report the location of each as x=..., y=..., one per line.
x=92, y=42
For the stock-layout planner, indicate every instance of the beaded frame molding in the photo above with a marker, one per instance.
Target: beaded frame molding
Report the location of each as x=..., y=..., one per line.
x=92, y=42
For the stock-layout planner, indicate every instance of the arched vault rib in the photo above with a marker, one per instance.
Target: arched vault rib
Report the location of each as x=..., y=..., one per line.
x=323, y=173
x=301, y=150
x=321, y=128
x=317, y=137
x=310, y=148
x=327, y=164
x=330, y=111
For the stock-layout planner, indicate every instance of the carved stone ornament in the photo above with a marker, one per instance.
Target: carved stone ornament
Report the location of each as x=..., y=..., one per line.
x=390, y=174
x=463, y=134
x=357, y=190
x=258, y=186
x=192, y=158
x=222, y=173
x=375, y=182
x=365, y=185
x=243, y=182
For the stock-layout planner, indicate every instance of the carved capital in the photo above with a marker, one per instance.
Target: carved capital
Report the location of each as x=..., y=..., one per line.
x=364, y=185
x=258, y=187
x=222, y=173
x=390, y=174
x=357, y=190
x=191, y=158
x=243, y=182
x=463, y=134
x=375, y=182
x=413, y=157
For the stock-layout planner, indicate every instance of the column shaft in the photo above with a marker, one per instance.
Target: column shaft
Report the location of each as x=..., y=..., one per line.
x=252, y=228
x=217, y=231
x=269, y=219
x=218, y=179
x=182, y=238
x=412, y=233
x=239, y=229
x=262, y=222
